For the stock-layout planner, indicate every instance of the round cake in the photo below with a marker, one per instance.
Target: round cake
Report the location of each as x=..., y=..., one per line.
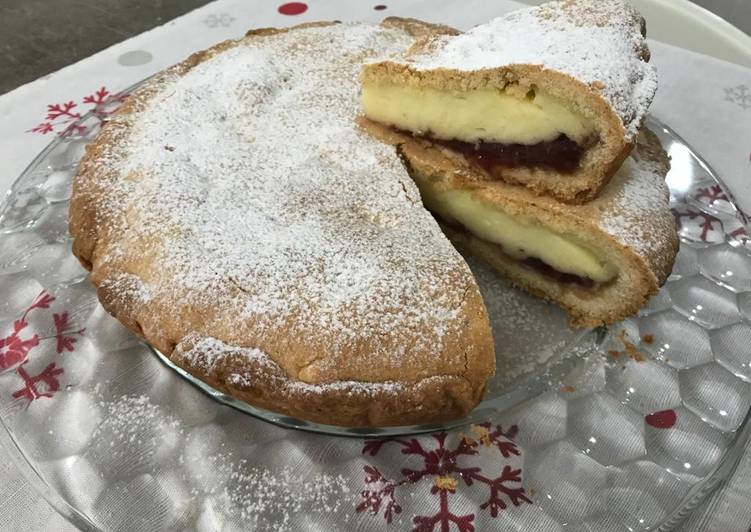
x=234, y=216
x=241, y=215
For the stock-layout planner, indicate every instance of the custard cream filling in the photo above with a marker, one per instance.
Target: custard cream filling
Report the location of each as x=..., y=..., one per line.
x=519, y=238
x=505, y=116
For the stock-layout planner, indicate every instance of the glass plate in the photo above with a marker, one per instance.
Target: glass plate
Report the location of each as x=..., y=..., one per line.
x=608, y=429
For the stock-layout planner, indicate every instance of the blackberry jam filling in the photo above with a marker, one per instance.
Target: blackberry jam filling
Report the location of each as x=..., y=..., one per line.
x=565, y=278
x=562, y=154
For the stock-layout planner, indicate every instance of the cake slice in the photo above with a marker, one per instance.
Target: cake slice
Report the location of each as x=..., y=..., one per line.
x=600, y=261
x=550, y=97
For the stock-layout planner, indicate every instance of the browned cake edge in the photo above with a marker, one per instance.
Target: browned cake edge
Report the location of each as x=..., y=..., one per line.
x=599, y=163
x=641, y=274
x=264, y=383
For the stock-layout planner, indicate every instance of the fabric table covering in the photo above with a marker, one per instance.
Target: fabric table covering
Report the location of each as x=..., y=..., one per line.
x=707, y=101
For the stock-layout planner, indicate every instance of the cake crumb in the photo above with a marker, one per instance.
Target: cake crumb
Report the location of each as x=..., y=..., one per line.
x=568, y=389
x=631, y=350
x=468, y=440
x=445, y=483
x=613, y=353
x=483, y=435
x=648, y=338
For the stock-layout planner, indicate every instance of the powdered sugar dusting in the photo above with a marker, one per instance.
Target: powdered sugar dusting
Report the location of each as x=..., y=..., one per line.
x=208, y=483
x=235, y=173
x=639, y=202
x=207, y=354
x=267, y=498
x=260, y=498
x=598, y=42
x=521, y=343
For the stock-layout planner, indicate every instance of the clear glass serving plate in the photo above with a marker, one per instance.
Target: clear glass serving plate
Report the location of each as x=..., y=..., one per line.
x=625, y=428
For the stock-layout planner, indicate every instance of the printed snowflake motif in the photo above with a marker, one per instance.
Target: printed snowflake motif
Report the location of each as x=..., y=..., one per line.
x=740, y=235
x=706, y=223
x=216, y=20
x=63, y=117
x=739, y=95
x=714, y=196
x=445, y=466
x=14, y=348
x=373, y=500
x=711, y=195
x=64, y=336
x=45, y=384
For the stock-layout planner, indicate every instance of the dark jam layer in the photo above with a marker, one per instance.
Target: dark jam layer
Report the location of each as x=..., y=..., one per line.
x=566, y=278
x=562, y=154
x=544, y=268
x=547, y=270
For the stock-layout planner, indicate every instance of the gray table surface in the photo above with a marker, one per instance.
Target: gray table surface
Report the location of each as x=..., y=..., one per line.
x=41, y=36
x=737, y=12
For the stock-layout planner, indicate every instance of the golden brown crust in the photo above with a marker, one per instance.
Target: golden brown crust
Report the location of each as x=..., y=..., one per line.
x=349, y=390
x=431, y=389
x=265, y=384
x=417, y=28
x=599, y=163
x=589, y=98
x=643, y=244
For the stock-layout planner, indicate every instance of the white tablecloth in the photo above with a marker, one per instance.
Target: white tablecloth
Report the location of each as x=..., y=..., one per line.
x=705, y=100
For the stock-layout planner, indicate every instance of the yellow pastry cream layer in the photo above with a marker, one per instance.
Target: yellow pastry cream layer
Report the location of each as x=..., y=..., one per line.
x=504, y=116
x=564, y=257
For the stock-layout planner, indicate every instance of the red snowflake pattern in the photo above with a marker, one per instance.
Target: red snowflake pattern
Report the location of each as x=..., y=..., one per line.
x=63, y=334
x=444, y=466
x=706, y=221
x=711, y=194
x=13, y=348
x=372, y=500
x=740, y=234
x=63, y=117
x=45, y=384
x=443, y=518
x=43, y=128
